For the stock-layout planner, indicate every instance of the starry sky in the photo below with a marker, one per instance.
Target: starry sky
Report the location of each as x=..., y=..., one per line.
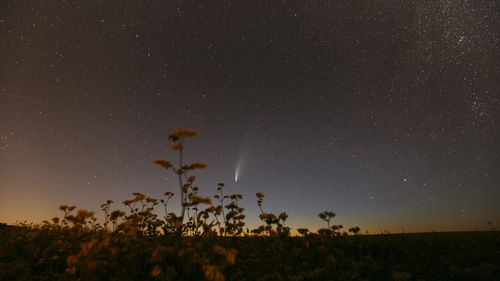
x=385, y=112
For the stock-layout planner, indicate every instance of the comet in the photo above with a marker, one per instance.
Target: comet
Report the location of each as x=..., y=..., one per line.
x=239, y=167
x=241, y=162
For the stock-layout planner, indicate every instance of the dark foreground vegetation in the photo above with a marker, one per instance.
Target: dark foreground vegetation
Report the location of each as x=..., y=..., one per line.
x=207, y=240
x=44, y=253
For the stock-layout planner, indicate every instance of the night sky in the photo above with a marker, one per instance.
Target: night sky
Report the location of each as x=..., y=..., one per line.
x=385, y=112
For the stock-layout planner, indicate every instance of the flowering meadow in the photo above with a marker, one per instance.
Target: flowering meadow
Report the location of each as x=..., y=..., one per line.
x=207, y=240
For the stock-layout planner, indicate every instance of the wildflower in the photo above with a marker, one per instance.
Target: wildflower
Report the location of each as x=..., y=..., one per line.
x=283, y=216
x=330, y=214
x=72, y=260
x=177, y=145
x=155, y=271
x=180, y=133
x=86, y=246
x=354, y=230
x=139, y=196
x=230, y=255
x=163, y=163
x=169, y=194
x=127, y=202
x=303, y=231
x=259, y=195
x=231, y=205
x=266, y=216
x=197, y=165
x=82, y=215
x=199, y=199
x=219, y=250
x=327, y=216
x=325, y=232
x=213, y=273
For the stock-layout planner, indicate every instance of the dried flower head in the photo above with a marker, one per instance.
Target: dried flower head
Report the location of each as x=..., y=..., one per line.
x=163, y=163
x=230, y=255
x=116, y=214
x=201, y=200
x=180, y=133
x=155, y=271
x=177, y=145
x=283, y=216
x=197, y=165
x=139, y=196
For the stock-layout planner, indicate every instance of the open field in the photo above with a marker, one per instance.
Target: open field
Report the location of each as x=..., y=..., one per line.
x=50, y=253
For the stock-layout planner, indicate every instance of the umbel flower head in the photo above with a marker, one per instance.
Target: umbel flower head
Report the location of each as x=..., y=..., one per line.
x=202, y=200
x=180, y=133
x=165, y=164
x=116, y=214
x=194, y=165
x=66, y=208
x=177, y=145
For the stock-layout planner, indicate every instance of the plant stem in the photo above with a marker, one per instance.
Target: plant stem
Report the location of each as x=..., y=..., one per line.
x=181, y=184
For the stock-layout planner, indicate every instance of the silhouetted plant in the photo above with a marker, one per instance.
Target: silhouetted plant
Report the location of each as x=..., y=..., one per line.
x=234, y=218
x=193, y=202
x=490, y=224
x=327, y=216
x=67, y=210
x=303, y=231
x=219, y=210
x=337, y=228
x=105, y=207
x=325, y=232
x=355, y=230
x=114, y=216
x=185, y=181
x=270, y=220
